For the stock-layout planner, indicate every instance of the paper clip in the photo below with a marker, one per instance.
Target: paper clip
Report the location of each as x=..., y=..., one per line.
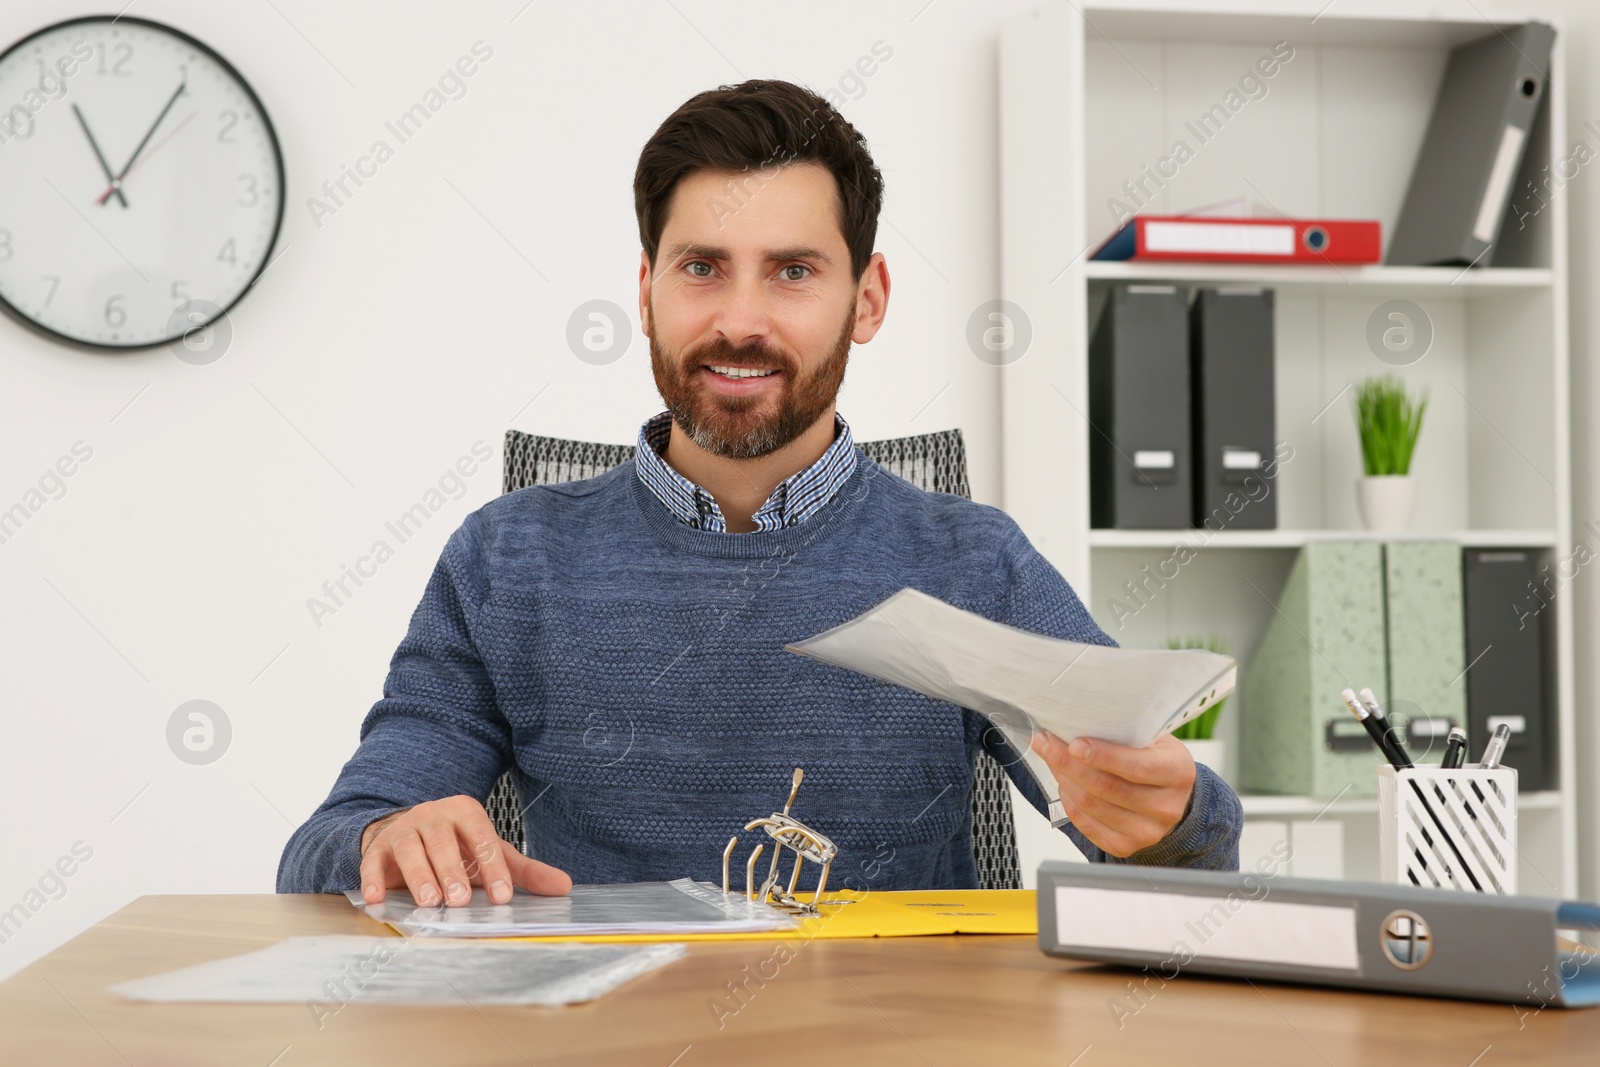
x=790, y=833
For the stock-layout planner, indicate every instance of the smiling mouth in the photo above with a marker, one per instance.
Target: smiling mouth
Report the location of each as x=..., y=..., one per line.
x=740, y=373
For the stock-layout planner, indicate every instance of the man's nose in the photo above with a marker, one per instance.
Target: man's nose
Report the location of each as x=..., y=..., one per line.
x=745, y=315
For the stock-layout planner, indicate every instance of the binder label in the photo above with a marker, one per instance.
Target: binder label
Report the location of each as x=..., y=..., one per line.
x=1158, y=459
x=1236, y=459
x=1234, y=927
x=1494, y=195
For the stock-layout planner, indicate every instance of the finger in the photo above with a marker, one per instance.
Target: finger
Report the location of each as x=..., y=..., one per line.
x=1106, y=810
x=1053, y=751
x=1076, y=804
x=1115, y=829
x=444, y=855
x=1111, y=799
x=378, y=871
x=1165, y=763
x=1101, y=783
x=411, y=857
x=1099, y=816
x=536, y=877
x=484, y=849
x=487, y=866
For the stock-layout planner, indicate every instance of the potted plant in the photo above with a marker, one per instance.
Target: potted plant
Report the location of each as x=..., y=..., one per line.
x=1389, y=422
x=1199, y=733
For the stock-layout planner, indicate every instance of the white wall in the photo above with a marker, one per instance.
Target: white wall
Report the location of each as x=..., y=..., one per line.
x=383, y=344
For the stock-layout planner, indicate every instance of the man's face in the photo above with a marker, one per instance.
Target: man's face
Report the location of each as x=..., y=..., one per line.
x=752, y=276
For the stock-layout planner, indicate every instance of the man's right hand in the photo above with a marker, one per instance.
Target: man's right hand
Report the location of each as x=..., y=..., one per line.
x=440, y=849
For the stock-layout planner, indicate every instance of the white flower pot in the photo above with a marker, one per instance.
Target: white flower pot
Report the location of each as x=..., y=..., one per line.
x=1386, y=501
x=1212, y=752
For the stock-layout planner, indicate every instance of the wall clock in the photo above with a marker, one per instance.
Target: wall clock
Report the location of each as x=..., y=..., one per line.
x=141, y=184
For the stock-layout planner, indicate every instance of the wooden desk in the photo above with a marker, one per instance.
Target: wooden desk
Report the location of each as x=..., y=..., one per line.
x=913, y=1001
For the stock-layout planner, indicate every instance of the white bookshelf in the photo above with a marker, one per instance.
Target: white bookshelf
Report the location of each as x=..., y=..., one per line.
x=1092, y=92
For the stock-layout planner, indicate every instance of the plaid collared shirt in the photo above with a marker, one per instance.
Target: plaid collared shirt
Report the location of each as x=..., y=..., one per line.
x=795, y=500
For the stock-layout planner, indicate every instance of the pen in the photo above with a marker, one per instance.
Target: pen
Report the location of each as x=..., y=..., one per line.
x=1455, y=754
x=1376, y=731
x=1496, y=748
x=1374, y=727
x=1396, y=747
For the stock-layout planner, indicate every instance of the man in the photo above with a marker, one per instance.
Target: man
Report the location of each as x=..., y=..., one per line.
x=617, y=643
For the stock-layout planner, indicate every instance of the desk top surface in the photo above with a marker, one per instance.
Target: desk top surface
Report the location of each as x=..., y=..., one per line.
x=917, y=1001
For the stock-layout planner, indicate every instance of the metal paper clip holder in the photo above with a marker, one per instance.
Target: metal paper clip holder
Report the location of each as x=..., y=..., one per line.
x=786, y=832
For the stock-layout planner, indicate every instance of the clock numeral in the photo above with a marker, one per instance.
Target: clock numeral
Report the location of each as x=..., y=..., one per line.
x=230, y=119
x=180, y=291
x=5, y=245
x=124, y=52
x=248, y=196
x=55, y=283
x=115, y=314
x=228, y=255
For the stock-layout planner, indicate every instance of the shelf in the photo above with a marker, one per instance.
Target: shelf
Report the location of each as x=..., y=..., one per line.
x=1369, y=277
x=1258, y=805
x=1233, y=21
x=1095, y=100
x=1296, y=538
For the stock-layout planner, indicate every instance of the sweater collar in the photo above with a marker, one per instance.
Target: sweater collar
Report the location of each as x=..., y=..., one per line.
x=794, y=500
x=778, y=544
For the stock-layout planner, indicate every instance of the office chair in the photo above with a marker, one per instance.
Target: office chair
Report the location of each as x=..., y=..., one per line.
x=936, y=462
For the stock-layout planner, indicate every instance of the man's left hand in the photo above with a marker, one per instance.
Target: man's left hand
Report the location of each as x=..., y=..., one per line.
x=1122, y=799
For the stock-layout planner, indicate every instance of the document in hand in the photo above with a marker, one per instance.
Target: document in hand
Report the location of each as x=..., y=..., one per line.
x=682, y=906
x=1025, y=681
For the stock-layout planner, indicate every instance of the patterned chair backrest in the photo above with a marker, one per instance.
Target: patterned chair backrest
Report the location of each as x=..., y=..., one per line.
x=936, y=462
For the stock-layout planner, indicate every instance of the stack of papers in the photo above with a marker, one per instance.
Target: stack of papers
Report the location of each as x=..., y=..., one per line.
x=325, y=972
x=682, y=906
x=1025, y=681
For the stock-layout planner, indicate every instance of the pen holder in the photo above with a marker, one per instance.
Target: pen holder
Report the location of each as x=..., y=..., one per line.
x=1449, y=829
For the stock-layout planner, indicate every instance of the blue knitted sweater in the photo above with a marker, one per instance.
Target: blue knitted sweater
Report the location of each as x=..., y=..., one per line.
x=629, y=671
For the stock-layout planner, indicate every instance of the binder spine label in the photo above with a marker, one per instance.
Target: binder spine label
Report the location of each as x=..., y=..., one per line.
x=1500, y=175
x=1248, y=928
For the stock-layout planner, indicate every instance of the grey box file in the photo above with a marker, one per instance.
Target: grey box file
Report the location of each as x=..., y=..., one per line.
x=1400, y=939
x=1509, y=647
x=1233, y=402
x=1139, y=442
x=1462, y=182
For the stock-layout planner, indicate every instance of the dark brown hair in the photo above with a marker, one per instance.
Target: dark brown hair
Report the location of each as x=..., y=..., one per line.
x=759, y=125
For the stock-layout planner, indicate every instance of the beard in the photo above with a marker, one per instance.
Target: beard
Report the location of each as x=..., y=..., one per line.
x=748, y=427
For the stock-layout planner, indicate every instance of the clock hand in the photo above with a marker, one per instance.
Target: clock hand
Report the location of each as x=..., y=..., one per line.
x=161, y=143
x=115, y=182
x=104, y=166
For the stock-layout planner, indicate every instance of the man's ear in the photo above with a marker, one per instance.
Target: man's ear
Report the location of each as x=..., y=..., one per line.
x=644, y=292
x=872, y=299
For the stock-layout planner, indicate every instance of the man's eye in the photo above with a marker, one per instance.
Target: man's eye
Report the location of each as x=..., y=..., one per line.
x=796, y=277
x=693, y=268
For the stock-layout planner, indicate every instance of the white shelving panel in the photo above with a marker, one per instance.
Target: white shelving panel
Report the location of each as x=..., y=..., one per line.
x=1364, y=279
x=1295, y=538
x=1313, y=807
x=1092, y=96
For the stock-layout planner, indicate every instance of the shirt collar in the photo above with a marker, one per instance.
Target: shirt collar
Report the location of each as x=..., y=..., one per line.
x=795, y=499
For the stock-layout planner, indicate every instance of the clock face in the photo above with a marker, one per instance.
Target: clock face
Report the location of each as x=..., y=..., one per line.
x=141, y=186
